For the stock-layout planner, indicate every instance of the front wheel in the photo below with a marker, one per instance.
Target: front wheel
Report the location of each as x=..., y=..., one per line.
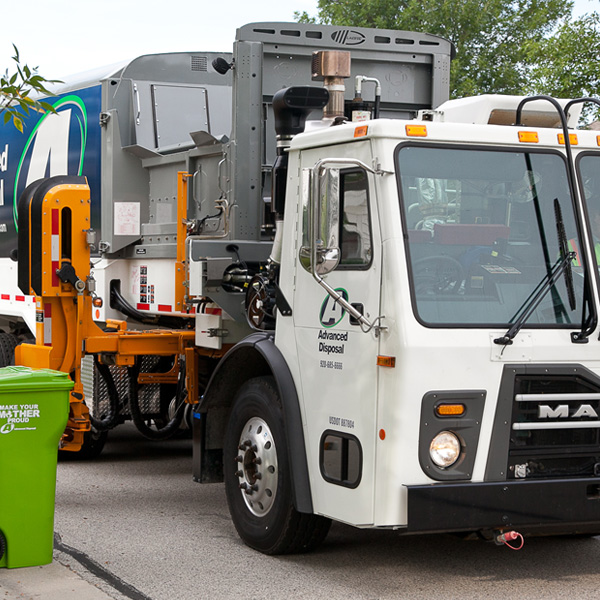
x=258, y=477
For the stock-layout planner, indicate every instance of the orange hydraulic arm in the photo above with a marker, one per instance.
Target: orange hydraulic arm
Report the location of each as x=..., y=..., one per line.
x=54, y=265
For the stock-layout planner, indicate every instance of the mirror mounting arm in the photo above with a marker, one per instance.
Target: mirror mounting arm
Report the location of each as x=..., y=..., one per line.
x=365, y=324
x=317, y=251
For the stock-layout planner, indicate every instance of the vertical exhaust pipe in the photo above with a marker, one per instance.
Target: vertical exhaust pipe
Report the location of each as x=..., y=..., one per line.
x=332, y=67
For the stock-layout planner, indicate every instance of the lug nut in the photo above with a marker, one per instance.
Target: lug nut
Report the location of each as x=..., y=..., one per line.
x=239, y=473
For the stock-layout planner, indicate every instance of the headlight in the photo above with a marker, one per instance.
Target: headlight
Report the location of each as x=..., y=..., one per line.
x=444, y=449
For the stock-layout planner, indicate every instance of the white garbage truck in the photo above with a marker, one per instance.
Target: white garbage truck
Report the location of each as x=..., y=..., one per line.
x=373, y=304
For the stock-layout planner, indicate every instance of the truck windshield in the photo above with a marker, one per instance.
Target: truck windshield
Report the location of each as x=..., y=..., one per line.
x=481, y=234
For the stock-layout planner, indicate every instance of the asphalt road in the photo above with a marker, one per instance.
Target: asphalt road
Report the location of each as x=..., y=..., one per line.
x=135, y=518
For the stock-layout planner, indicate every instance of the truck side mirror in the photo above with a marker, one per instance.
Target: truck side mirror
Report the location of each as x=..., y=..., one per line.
x=320, y=253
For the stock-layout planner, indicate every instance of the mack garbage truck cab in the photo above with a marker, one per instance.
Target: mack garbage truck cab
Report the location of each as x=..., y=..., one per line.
x=394, y=325
x=441, y=338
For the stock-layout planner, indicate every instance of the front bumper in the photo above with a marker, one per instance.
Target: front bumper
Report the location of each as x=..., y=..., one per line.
x=537, y=505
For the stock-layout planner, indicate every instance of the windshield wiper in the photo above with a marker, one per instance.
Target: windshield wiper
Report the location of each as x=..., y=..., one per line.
x=589, y=316
x=553, y=274
x=533, y=301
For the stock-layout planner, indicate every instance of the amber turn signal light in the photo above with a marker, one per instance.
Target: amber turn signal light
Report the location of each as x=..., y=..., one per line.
x=450, y=410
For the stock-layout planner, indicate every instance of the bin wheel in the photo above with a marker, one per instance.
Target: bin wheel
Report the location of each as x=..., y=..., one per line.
x=2, y=545
x=8, y=343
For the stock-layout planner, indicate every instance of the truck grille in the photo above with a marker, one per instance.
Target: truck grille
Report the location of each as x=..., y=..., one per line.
x=555, y=428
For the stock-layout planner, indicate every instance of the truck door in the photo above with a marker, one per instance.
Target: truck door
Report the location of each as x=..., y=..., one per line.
x=337, y=358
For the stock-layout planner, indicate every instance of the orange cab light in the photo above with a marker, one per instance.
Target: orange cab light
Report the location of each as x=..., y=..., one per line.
x=97, y=302
x=530, y=137
x=598, y=140
x=572, y=139
x=361, y=131
x=386, y=361
x=416, y=130
x=450, y=410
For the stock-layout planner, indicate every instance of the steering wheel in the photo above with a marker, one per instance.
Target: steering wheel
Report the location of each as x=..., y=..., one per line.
x=437, y=275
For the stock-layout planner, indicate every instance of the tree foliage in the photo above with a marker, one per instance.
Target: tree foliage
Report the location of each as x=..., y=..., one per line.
x=569, y=63
x=15, y=92
x=503, y=46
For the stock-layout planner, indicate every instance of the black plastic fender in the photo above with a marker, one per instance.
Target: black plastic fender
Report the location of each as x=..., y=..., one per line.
x=255, y=356
x=29, y=240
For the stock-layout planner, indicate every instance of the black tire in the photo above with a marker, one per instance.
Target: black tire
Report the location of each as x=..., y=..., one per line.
x=258, y=478
x=93, y=444
x=8, y=343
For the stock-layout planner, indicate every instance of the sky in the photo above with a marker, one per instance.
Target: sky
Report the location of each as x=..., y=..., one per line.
x=64, y=37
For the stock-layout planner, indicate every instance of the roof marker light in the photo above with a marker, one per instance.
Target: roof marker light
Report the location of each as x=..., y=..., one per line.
x=572, y=139
x=530, y=137
x=361, y=131
x=416, y=130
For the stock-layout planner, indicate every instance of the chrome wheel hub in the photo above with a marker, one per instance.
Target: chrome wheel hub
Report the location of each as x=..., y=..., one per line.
x=257, y=467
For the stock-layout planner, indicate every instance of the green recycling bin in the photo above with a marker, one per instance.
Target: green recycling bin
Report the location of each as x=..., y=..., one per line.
x=34, y=408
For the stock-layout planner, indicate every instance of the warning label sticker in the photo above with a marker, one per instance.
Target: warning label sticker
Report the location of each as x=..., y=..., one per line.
x=18, y=417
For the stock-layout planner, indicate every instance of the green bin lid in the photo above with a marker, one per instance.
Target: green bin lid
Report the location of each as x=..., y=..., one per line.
x=26, y=378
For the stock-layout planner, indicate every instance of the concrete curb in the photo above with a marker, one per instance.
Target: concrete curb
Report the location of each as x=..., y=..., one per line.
x=56, y=581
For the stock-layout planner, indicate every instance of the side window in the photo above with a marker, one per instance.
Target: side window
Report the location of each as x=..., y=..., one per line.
x=355, y=223
x=589, y=167
x=341, y=458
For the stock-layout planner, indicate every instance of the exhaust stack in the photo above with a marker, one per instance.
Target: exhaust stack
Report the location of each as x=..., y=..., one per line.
x=332, y=67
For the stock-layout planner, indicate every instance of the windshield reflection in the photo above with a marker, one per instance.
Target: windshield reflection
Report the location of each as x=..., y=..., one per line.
x=481, y=233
